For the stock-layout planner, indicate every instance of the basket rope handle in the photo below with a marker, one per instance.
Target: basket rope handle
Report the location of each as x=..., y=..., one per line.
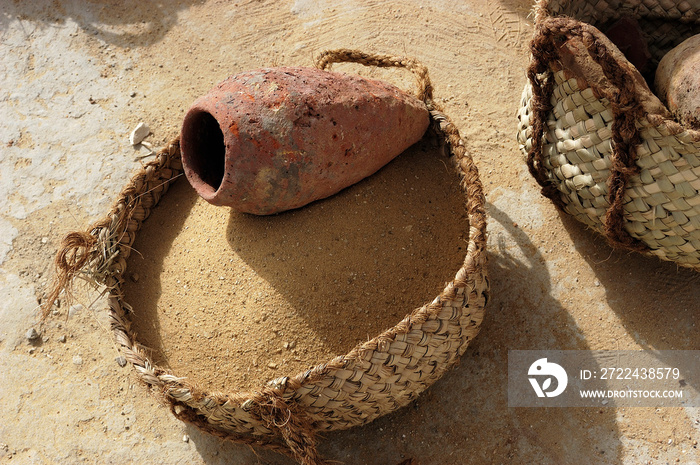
x=445, y=128
x=344, y=55
x=550, y=34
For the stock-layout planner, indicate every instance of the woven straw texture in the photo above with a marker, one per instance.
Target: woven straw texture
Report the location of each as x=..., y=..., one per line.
x=599, y=142
x=374, y=379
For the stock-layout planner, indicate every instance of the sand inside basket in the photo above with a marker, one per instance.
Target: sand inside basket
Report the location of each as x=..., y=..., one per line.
x=231, y=300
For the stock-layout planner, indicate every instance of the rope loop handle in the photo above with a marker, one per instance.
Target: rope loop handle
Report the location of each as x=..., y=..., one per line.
x=444, y=128
x=420, y=71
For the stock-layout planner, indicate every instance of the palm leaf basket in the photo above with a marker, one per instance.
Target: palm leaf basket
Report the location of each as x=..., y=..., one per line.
x=603, y=147
x=375, y=378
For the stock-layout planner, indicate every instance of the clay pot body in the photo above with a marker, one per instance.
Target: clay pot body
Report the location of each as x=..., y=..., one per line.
x=275, y=139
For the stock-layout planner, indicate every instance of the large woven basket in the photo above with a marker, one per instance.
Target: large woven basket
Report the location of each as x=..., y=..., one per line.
x=600, y=143
x=375, y=378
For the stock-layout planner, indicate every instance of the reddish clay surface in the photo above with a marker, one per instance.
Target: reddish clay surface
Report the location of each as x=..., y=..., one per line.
x=275, y=139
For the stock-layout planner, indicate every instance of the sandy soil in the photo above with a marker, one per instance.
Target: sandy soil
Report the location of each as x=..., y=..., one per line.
x=233, y=300
x=79, y=75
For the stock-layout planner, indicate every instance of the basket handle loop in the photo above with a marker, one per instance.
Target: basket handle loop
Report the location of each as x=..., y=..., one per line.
x=420, y=71
x=447, y=132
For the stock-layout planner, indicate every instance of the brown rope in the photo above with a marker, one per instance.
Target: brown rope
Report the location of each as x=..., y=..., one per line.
x=290, y=422
x=74, y=253
x=425, y=87
x=543, y=51
x=101, y=244
x=550, y=34
x=187, y=414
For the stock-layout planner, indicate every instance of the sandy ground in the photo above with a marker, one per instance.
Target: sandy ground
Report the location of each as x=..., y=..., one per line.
x=76, y=76
x=232, y=300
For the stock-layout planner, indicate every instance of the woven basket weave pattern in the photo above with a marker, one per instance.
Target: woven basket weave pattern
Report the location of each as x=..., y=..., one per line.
x=597, y=12
x=662, y=201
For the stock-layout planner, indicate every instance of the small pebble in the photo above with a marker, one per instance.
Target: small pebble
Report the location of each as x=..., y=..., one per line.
x=139, y=133
x=77, y=360
x=132, y=94
x=185, y=438
x=272, y=365
x=32, y=335
x=74, y=309
x=121, y=361
x=32, y=350
x=62, y=338
x=135, y=277
x=44, y=240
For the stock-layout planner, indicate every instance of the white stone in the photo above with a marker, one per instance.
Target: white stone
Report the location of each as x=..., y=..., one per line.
x=139, y=133
x=74, y=309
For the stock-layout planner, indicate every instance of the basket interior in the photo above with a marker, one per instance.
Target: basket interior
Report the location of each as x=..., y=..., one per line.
x=664, y=24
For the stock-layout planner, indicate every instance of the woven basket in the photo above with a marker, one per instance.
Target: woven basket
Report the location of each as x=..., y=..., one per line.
x=375, y=378
x=599, y=142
